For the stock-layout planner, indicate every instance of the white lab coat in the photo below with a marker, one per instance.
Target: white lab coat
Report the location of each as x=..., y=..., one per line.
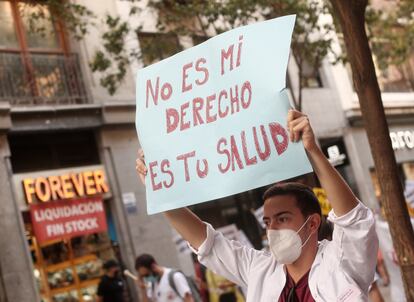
x=342, y=271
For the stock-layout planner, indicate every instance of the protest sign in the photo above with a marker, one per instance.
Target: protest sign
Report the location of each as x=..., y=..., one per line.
x=212, y=119
x=68, y=218
x=258, y=213
x=231, y=232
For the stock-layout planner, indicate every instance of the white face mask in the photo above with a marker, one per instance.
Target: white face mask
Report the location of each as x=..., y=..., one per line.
x=286, y=245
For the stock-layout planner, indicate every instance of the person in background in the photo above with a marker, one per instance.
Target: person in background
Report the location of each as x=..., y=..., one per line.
x=221, y=289
x=111, y=286
x=390, y=261
x=200, y=278
x=161, y=284
x=382, y=270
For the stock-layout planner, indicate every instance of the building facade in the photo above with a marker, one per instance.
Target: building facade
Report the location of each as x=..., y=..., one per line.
x=60, y=134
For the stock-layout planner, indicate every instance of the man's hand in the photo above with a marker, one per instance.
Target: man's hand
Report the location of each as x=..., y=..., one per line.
x=141, y=284
x=339, y=194
x=142, y=289
x=188, y=298
x=140, y=166
x=300, y=128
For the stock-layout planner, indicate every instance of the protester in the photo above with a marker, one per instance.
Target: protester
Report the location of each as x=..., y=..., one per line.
x=161, y=284
x=111, y=286
x=299, y=268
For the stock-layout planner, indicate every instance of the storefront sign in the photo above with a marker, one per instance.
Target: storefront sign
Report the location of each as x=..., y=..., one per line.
x=212, y=119
x=231, y=232
x=45, y=186
x=258, y=213
x=68, y=218
x=130, y=202
x=402, y=139
x=334, y=149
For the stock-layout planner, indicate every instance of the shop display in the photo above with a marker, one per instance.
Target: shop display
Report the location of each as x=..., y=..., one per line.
x=89, y=270
x=69, y=270
x=71, y=296
x=60, y=278
x=89, y=293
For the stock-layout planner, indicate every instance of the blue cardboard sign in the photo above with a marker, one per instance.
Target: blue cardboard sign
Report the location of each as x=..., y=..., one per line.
x=212, y=119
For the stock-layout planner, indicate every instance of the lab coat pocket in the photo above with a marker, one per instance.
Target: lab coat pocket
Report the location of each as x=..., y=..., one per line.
x=335, y=285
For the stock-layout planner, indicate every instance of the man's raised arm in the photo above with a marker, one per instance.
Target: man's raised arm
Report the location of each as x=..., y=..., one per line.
x=339, y=194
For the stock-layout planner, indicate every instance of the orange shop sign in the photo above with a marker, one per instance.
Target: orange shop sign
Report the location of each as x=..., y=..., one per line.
x=64, y=185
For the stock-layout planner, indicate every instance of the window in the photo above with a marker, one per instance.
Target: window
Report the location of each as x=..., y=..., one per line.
x=399, y=78
x=8, y=32
x=53, y=150
x=36, y=66
x=311, y=77
x=157, y=46
x=406, y=172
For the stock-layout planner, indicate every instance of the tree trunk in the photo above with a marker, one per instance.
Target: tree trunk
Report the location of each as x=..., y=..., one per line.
x=2, y=289
x=351, y=15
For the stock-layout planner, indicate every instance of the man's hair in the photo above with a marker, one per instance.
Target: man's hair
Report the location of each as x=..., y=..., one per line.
x=110, y=264
x=144, y=260
x=306, y=200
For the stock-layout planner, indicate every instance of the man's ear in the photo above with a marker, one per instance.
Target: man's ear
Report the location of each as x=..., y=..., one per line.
x=315, y=222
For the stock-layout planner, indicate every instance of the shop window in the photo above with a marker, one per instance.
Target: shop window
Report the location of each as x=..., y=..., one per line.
x=407, y=179
x=69, y=269
x=408, y=169
x=8, y=37
x=157, y=46
x=36, y=66
x=53, y=150
x=397, y=78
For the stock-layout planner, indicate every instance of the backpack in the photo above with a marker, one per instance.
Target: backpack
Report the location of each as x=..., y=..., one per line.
x=191, y=284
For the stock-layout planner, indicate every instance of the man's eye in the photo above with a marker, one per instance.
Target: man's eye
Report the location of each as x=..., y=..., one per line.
x=283, y=219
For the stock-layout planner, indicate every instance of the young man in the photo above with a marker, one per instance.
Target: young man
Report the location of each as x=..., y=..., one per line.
x=299, y=268
x=161, y=284
x=111, y=286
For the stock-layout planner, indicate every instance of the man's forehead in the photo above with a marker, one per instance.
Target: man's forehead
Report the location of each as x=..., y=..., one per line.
x=279, y=203
x=143, y=270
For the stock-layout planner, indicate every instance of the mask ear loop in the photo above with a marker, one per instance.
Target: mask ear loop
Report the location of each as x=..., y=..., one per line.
x=303, y=224
x=306, y=241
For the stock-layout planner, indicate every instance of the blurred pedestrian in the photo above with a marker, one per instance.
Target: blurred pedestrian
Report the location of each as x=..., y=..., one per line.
x=393, y=276
x=161, y=284
x=111, y=287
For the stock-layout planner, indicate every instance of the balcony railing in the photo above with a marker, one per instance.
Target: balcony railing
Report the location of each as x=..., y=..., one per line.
x=41, y=79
